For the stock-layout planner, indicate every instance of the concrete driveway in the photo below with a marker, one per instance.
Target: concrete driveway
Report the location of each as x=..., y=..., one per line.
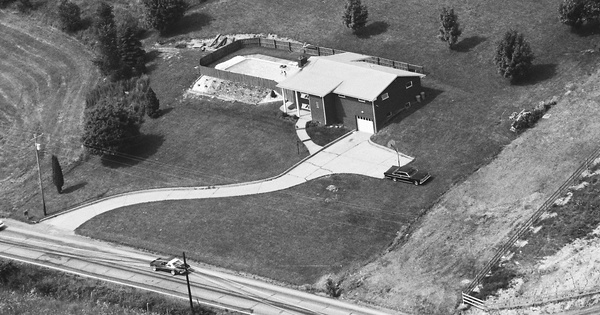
x=353, y=154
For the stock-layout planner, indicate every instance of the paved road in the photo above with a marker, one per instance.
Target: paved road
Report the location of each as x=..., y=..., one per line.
x=354, y=154
x=48, y=246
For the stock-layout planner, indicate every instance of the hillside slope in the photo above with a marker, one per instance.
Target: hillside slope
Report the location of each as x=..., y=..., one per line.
x=44, y=75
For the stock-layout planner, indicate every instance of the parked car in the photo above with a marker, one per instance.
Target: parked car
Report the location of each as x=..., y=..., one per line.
x=173, y=265
x=2, y=226
x=407, y=174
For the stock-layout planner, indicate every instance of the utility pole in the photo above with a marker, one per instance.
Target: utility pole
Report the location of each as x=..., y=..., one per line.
x=187, y=279
x=37, y=158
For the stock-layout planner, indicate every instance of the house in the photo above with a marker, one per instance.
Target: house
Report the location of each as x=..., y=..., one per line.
x=345, y=89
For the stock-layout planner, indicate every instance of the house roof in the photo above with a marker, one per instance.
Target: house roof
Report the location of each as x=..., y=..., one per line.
x=344, y=74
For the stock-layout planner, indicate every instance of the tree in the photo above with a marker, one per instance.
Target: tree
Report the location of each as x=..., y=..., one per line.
x=110, y=127
x=449, y=27
x=109, y=61
x=130, y=49
x=57, y=174
x=69, y=14
x=355, y=15
x=513, y=55
x=162, y=14
x=572, y=12
x=576, y=12
x=153, y=105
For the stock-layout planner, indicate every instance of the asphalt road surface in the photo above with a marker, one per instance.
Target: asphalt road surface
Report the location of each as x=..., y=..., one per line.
x=49, y=246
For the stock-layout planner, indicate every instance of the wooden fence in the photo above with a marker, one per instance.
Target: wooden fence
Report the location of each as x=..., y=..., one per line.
x=536, y=215
x=238, y=77
x=299, y=48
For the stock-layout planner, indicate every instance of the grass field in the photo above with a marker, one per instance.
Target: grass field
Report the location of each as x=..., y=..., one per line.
x=462, y=126
x=295, y=235
x=196, y=142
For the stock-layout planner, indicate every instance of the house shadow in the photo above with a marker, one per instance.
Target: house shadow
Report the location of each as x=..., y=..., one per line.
x=189, y=23
x=73, y=188
x=466, y=44
x=375, y=28
x=430, y=95
x=537, y=74
x=145, y=147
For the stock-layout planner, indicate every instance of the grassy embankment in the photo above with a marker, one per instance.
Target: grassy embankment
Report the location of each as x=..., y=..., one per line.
x=28, y=289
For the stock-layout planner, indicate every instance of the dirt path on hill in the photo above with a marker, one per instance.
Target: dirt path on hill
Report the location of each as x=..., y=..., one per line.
x=460, y=234
x=45, y=76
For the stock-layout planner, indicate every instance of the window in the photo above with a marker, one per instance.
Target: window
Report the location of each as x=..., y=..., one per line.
x=304, y=95
x=407, y=105
x=384, y=96
x=408, y=84
x=362, y=101
x=317, y=104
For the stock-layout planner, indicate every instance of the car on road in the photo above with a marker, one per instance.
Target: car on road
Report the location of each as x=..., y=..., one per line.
x=2, y=225
x=407, y=174
x=173, y=265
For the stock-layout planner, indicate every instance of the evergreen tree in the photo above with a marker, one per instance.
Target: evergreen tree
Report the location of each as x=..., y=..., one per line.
x=109, y=60
x=163, y=14
x=69, y=14
x=513, y=56
x=57, y=174
x=130, y=48
x=449, y=27
x=153, y=105
x=355, y=15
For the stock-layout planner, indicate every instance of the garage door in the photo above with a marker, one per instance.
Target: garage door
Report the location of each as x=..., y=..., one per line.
x=365, y=124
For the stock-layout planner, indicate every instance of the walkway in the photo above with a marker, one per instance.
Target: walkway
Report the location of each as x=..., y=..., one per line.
x=352, y=154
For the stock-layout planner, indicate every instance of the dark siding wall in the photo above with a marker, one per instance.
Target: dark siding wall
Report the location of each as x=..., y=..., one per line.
x=346, y=110
x=399, y=95
x=316, y=109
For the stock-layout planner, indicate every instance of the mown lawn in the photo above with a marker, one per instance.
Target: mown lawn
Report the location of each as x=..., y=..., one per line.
x=295, y=235
x=197, y=141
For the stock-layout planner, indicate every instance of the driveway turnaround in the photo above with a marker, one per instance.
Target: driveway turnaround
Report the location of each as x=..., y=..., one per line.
x=352, y=154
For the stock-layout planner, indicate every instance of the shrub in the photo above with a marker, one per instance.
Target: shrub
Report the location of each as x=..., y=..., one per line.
x=69, y=14
x=332, y=288
x=527, y=119
x=500, y=278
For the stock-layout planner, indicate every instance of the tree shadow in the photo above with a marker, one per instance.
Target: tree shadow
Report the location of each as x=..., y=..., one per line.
x=430, y=95
x=189, y=23
x=143, y=148
x=73, y=188
x=375, y=28
x=588, y=28
x=536, y=74
x=466, y=44
x=164, y=111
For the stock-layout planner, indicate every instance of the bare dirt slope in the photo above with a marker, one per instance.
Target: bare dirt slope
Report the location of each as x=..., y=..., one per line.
x=44, y=75
x=461, y=232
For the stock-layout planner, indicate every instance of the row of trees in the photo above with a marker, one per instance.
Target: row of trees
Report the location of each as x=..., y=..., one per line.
x=115, y=108
x=513, y=56
x=161, y=15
